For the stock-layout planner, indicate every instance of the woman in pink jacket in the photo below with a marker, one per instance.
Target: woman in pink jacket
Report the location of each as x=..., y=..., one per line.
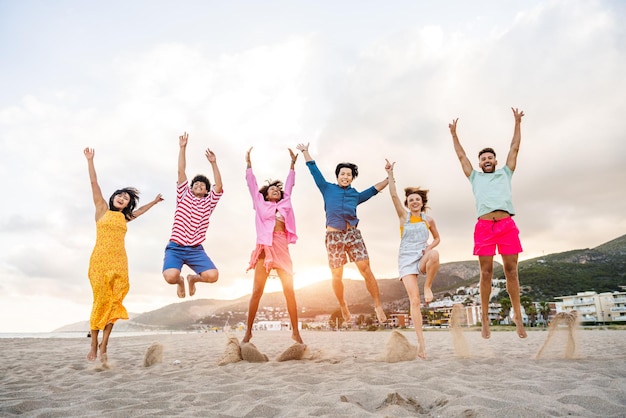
x=275, y=229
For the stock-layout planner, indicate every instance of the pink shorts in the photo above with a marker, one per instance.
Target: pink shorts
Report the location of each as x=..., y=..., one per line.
x=275, y=256
x=502, y=233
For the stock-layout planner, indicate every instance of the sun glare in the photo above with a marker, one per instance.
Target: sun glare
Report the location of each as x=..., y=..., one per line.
x=304, y=277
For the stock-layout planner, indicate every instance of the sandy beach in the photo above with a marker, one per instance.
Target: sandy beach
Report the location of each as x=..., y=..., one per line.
x=344, y=374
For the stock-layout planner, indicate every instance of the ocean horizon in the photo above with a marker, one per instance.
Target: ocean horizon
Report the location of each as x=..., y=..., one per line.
x=83, y=334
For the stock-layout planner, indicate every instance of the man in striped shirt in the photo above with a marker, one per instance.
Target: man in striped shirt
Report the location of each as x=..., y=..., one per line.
x=194, y=205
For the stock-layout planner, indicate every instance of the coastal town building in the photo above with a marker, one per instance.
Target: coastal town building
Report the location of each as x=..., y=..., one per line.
x=595, y=307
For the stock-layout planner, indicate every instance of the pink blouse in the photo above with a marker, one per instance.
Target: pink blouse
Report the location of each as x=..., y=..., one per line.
x=265, y=218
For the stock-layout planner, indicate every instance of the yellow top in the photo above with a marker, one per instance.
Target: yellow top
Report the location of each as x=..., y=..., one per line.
x=108, y=271
x=413, y=220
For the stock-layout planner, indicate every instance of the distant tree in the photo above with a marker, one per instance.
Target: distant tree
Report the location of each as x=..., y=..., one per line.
x=468, y=301
x=531, y=311
x=526, y=302
x=461, y=292
x=336, y=319
x=505, y=309
x=544, y=310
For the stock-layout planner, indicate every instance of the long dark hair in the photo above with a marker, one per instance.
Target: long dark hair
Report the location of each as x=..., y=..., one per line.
x=130, y=208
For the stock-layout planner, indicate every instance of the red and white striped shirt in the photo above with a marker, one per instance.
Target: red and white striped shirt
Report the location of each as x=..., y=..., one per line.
x=191, y=218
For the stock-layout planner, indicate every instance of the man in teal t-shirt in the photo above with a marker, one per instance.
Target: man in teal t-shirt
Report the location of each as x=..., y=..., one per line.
x=495, y=226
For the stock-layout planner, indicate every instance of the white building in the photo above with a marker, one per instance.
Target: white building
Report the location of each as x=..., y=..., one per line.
x=593, y=307
x=273, y=326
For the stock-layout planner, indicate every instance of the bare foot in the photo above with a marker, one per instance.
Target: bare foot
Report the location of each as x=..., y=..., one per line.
x=486, y=332
x=93, y=354
x=345, y=312
x=246, y=337
x=104, y=359
x=297, y=338
x=180, y=289
x=380, y=314
x=519, y=327
x=428, y=294
x=192, y=284
x=421, y=352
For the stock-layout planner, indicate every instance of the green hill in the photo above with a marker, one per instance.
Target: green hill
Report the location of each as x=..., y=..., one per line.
x=602, y=269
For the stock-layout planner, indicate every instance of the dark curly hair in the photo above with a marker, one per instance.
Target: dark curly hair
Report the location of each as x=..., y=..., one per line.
x=416, y=190
x=130, y=208
x=203, y=179
x=353, y=167
x=270, y=183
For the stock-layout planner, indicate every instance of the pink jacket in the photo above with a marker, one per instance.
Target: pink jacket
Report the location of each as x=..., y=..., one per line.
x=265, y=218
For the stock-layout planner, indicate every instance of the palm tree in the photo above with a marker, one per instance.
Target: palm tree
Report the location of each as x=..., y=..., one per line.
x=526, y=302
x=505, y=309
x=544, y=310
x=531, y=311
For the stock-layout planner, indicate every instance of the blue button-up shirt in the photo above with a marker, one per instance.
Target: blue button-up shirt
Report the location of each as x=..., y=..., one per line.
x=339, y=203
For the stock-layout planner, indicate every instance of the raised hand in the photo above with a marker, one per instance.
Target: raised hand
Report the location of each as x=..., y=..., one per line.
x=389, y=166
x=293, y=155
x=517, y=114
x=452, y=126
x=210, y=155
x=89, y=153
x=182, y=140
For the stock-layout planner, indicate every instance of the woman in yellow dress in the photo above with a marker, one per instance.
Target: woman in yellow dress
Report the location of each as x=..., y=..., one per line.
x=108, y=265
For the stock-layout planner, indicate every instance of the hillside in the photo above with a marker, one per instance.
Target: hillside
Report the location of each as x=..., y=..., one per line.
x=602, y=269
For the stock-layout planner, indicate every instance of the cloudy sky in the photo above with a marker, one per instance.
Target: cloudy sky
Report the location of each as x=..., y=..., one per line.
x=360, y=80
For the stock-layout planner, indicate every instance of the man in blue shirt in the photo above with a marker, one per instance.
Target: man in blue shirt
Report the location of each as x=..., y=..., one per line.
x=495, y=225
x=343, y=238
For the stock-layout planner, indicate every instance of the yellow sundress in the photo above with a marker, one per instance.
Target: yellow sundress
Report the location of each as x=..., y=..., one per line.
x=108, y=271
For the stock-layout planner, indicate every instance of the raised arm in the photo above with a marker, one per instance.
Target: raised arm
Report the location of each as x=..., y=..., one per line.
x=182, y=161
x=253, y=187
x=382, y=184
x=143, y=209
x=393, y=192
x=248, y=161
x=210, y=155
x=98, y=200
x=304, y=149
x=294, y=158
x=290, y=181
x=460, y=152
x=511, y=159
